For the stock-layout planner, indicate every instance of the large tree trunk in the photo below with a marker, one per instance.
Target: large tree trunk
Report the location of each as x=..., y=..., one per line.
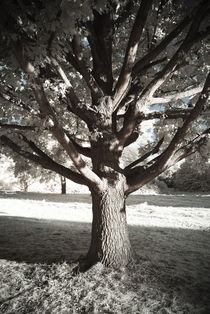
x=110, y=242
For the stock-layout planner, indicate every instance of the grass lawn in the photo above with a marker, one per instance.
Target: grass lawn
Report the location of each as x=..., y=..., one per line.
x=41, y=236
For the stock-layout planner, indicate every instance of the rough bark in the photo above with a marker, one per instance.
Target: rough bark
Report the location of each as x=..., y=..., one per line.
x=110, y=242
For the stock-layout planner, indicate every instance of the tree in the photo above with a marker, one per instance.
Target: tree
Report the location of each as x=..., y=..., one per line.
x=109, y=64
x=63, y=185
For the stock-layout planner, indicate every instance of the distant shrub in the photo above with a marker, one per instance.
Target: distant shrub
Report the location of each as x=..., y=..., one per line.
x=193, y=175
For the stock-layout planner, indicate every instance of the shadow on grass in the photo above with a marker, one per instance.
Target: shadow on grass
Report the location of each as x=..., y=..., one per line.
x=179, y=258
x=42, y=241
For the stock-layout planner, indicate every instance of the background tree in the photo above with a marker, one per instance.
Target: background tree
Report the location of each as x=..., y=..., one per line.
x=18, y=175
x=114, y=65
x=192, y=175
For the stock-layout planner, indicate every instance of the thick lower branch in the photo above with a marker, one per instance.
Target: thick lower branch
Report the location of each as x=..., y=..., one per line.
x=139, y=176
x=44, y=161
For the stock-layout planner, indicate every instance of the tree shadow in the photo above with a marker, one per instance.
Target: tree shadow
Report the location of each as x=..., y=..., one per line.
x=177, y=258
x=42, y=241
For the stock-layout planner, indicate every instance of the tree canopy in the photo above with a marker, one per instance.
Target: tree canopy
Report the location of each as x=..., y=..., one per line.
x=59, y=59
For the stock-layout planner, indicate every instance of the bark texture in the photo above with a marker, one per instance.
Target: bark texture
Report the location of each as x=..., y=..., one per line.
x=110, y=242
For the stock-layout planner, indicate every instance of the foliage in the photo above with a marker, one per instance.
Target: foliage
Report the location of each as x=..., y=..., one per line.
x=193, y=175
x=18, y=174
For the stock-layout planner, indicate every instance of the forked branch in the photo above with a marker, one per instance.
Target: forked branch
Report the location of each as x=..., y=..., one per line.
x=154, y=151
x=180, y=55
x=181, y=132
x=75, y=106
x=48, y=113
x=156, y=51
x=133, y=115
x=172, y=153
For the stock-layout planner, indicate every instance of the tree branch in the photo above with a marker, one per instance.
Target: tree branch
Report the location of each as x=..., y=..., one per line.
x=136, y=88
x=130, y=122
x=160, y=47
x=167, y=114
x=140, y=175
x=63, y=75
x=125, y=13
x=17, y=126
x=43, y=160
x=48, y=113
x=131, y=51
x=133, y=115
x=76, y=107
x=178, y=56
x=34, y=147
x=96, y=92
x=181, y=132
x=86, y=151
x=177, y=96
x=131, y=139
x=154, y=151
x=11, y=99
x=100, y=39
x=190, y=148
x=131, y=119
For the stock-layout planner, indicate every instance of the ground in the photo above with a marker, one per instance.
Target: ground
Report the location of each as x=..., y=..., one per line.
x=41, y=236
